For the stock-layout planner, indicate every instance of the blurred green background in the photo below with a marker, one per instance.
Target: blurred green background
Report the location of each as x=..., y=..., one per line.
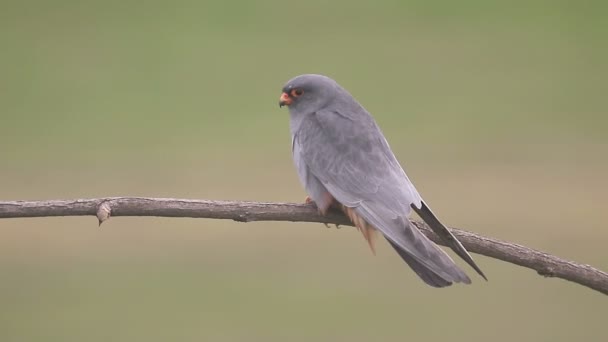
x=497, y=110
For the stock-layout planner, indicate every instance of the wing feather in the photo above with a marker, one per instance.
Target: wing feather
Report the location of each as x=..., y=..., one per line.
x=351, y=158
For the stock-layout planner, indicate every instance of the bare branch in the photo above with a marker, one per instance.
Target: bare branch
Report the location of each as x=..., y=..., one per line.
x=545, y=264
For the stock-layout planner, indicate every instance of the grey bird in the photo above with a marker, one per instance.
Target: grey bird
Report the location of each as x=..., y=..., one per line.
x=344, y=161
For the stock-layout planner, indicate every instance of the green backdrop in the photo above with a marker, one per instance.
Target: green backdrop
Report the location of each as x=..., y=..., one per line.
x=496, y=109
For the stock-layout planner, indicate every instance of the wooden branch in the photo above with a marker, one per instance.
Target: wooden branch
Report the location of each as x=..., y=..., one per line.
x=545, y=264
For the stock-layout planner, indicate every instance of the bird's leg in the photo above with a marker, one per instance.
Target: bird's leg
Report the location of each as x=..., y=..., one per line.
x=336, y=205
x=322, y=211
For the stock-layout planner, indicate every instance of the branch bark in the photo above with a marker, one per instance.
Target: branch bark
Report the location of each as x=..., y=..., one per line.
x=543, y=263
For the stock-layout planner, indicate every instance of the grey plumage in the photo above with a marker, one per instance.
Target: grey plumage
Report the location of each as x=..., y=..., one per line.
x=339, y=149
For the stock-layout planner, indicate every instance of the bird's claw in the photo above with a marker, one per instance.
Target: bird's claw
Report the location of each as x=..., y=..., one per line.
x=309, y=200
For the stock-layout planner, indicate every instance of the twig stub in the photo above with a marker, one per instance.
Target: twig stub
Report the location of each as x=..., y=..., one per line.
x=103, y=212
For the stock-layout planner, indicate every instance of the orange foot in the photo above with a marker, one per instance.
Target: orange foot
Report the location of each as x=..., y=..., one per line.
x=309, y=200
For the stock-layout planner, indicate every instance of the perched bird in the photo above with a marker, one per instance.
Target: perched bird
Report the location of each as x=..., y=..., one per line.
x=344, y=161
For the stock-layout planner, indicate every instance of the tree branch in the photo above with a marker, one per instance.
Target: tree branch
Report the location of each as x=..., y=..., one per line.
x=545, y=264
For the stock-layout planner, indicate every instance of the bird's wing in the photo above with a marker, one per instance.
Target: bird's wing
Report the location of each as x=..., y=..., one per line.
x=352, y=159
x=446, y=235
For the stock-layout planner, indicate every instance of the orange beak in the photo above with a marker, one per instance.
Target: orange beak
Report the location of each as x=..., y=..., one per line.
x=285, y=100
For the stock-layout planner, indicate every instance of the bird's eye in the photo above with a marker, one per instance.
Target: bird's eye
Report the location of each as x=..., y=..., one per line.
x=296, y=92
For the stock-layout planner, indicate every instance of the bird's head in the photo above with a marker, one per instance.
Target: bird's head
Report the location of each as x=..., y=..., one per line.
x=308, y=93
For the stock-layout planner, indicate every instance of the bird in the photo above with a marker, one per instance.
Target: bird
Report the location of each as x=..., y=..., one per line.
x=344, y=161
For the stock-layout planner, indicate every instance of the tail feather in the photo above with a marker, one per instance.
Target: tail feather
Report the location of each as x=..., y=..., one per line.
x=431, y=263
x=423, y=272
x=427, y=215
x=369, y=232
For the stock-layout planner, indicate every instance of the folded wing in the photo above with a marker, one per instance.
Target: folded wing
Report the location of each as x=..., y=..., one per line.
x=351, y=158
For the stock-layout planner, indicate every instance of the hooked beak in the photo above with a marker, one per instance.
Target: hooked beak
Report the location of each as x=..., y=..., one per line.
x=285, y=100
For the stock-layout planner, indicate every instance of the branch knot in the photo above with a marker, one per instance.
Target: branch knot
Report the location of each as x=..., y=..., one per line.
x=103, y=211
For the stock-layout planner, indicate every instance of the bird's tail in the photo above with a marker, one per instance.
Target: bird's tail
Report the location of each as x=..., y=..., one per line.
x=444, y=233
x=427, y=275
x=432, y=264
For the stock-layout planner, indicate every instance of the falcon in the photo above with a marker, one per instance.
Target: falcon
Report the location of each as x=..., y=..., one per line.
x=344, y=161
